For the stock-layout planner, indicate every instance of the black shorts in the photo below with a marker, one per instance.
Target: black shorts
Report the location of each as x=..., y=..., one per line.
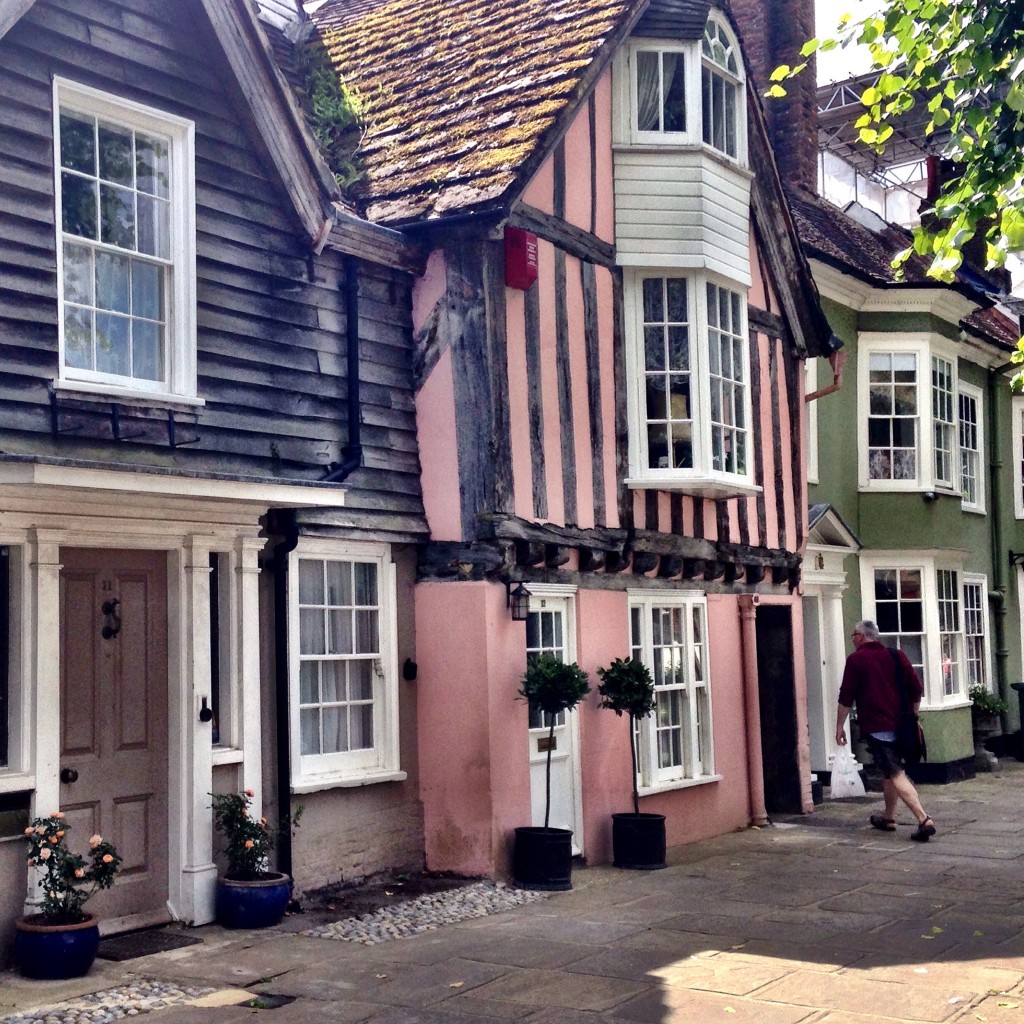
x=886, y=759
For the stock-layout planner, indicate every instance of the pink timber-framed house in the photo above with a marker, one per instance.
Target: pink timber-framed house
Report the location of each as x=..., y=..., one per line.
x=611, y=333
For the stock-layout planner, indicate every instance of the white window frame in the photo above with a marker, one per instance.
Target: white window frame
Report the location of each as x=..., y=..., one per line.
x=735, y=81
x=924, y=347
x=690, y=54
x=703, y=477
x=978, y=582
x=180, y=381
x=310, y=772
x=1017, y=455
x=974, y=455
x=693, y=771
x=928, y=563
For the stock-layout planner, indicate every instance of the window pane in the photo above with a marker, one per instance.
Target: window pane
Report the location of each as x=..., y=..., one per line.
x=648, y=89
x=77, y=143
x=332, y=688
x=112, y=274
x=115, y=153
x=78, y=273
x=309, y=727
x=78, y=338
x=309, y=683
x=152, y=165
x=113, y=350
x=311, y=631
x=366, y=583
x=360, y=680
x=154, y=227
x=674, y=105
x=311, y=582
x=78, y=205
x=117, y=216
x=147, y=290
x=340, y=640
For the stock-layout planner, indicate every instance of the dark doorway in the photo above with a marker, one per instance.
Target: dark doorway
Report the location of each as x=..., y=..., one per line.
x=777, y=696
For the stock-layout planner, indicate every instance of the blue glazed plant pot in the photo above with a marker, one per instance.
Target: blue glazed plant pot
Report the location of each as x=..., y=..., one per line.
x=253, y=904
x=54, y=951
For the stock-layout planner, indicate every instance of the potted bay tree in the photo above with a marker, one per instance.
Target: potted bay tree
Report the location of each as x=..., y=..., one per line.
x=542, y=856
x=638, y=838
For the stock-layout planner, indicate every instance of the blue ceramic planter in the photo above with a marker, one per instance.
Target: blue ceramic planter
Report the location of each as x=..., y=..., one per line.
x=54, y=951
x=257, y=904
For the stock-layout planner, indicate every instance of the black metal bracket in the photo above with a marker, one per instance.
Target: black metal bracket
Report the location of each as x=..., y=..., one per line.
x=172, y=433
x=115, y=426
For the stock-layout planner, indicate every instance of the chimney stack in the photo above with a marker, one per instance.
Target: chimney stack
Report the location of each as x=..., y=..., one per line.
x=773, y=31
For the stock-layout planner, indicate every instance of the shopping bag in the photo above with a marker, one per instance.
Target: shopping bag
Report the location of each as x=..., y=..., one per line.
x=846, y=780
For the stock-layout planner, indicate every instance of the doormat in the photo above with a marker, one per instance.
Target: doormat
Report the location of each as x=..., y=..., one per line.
x=142, y=943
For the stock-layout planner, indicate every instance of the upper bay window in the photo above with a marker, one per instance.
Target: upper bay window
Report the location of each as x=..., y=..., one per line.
x=685, y=92
x=126, y=245
x=911, y=434
x=690, y=408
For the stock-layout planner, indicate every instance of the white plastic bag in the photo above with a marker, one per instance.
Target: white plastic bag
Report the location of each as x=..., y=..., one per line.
x=846, y=780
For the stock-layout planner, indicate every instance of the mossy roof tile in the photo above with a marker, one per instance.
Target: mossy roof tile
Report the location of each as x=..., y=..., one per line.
x=459, y=95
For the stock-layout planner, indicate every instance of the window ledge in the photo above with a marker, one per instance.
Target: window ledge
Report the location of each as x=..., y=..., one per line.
x=17, y=782
x=706, y=487
x=668, y=787
x=227, y=755
x=100, y=392
x=953, y=705
x=347, y=781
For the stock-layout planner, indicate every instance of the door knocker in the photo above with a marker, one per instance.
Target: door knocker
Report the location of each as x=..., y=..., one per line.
x=113, y=624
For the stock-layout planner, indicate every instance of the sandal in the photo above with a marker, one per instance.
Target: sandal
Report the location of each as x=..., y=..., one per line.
x=924, y=831
x=883, y=824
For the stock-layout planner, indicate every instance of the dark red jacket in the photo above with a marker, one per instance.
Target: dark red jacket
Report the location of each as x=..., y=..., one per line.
x=869, y=680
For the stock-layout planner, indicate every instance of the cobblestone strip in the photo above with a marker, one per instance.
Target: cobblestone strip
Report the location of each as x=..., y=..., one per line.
x=425, y=913
x=110, y=1004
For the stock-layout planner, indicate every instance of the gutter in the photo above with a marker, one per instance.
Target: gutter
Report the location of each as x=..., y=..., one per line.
x=837, y=361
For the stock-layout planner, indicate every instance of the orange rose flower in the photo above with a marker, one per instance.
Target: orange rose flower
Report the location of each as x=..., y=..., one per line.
x=249, y=844
x=107, y=858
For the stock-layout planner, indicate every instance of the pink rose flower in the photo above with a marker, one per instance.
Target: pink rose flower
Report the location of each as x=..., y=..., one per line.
x=250, y=792
x=95, y=841
x=107, y=858
x=44, y=854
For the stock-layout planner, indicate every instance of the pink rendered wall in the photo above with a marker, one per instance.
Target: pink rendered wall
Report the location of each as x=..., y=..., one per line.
x=439, y=456
x=473, y=738
x=602, y=634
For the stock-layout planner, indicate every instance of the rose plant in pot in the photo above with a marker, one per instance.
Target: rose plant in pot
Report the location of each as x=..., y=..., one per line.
x=638, y=839
x=542, y=856
x=249, y=895
x=61, y=940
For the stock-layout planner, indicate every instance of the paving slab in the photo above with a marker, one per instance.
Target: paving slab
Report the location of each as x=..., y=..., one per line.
x=550, y=988
x=682, y=1006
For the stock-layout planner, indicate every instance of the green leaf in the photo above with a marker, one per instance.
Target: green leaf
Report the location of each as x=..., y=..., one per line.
x=781, y=72
x=871, y=96
x=775, y=92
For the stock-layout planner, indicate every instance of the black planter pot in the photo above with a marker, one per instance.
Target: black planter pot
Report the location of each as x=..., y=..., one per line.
x=542, y=858
x=638, y=841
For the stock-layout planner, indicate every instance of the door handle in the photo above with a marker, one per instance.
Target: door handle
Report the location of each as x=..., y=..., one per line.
x=68, y=775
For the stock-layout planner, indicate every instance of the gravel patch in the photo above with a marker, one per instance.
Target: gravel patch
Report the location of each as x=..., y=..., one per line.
x=426, y=913
x=110, y=1004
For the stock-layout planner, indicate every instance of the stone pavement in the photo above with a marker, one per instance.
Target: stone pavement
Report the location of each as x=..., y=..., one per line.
x=817, y=919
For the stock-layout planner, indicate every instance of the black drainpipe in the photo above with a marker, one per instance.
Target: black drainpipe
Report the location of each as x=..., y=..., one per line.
x=286, y=524
x=351, y=453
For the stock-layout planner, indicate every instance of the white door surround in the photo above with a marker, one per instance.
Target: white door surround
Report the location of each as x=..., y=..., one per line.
x=42, y=522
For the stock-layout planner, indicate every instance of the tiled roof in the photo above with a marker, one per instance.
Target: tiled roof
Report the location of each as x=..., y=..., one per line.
x=460, y=95
x=833, y=236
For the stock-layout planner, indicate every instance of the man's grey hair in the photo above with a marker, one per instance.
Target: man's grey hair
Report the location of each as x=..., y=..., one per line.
x=867, y=629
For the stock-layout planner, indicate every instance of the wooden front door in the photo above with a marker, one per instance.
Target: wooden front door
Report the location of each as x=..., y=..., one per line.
x=113, y=724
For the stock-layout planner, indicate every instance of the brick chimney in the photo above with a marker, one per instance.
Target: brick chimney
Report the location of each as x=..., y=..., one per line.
x=772, y=32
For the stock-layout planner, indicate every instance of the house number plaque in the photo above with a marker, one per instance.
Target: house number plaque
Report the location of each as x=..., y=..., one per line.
x=547, y=743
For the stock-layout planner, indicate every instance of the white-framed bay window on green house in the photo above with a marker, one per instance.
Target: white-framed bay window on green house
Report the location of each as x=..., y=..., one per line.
x=343, y=665
x=668, y=633
x=1017, y=456
x=126, y=249
x=935, y=613
x=908, y=410
x=689, y=403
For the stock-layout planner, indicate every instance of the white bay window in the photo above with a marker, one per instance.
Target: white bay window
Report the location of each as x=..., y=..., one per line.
x=935, y=613
x=909, y=414
x=690, y=406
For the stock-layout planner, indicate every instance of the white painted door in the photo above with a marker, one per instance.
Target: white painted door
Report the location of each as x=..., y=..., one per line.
x=549, y=630
x=113, y=615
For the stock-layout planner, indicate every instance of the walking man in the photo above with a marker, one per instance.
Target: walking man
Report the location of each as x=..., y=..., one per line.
x=870, y=681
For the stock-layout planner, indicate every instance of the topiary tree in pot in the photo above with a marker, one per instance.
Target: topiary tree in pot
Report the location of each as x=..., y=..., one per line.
x=638, y=839
x=542, y=856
